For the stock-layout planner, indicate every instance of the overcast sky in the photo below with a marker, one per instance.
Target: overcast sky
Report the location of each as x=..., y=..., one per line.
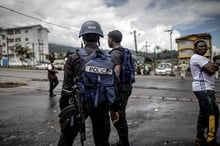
x=150, y=18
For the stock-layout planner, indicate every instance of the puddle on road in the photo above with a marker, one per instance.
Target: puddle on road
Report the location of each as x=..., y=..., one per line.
x=12, y=84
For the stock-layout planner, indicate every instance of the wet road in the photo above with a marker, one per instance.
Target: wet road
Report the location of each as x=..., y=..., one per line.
x=28, y=117
x=165, y=86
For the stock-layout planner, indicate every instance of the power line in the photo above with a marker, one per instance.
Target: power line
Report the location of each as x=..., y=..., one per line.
x=23, y=14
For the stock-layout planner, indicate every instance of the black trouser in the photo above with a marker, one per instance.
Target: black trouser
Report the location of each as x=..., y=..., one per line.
x=100, y=123
x=53, y=84
x=121, y=126
x=205, y=111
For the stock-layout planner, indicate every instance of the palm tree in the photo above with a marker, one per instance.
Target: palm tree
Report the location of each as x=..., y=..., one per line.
x=23, y=52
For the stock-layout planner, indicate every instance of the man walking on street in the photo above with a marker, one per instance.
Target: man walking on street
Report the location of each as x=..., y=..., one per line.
x=52, y=75
x=124, y=89
x=183, y=68
x=203, y=86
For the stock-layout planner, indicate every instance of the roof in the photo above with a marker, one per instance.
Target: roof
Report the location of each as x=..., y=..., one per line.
x=26, y=27
x=195, y=35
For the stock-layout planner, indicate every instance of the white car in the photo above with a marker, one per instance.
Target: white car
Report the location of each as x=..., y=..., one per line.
x=163, y=69
x=41, y=66
x=160, y=70
x=59, y=64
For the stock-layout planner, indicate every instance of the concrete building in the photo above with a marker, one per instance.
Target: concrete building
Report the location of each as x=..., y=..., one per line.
x=35, y=38
x=186, y=48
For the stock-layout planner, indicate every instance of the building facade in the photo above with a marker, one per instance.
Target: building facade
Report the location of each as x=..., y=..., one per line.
x=35, y=38
x=186, y=48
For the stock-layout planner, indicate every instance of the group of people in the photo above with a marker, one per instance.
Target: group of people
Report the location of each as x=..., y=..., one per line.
x=203, y=87
x=91, y=32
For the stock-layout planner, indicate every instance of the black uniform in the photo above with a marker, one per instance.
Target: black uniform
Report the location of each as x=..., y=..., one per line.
x=99, y=115
x=124, y=91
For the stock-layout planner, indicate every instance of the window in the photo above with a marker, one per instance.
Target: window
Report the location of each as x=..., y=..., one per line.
x=26, y=31
x=187, y=52
x=3, y=37
x=17, y=39
x=10, y=40
x=17, y=31
x=185, y=44
x=3, y=45
x=10, y=32
x=26, y=39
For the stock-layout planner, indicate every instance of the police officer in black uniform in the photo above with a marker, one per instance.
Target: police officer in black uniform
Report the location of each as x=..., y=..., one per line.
x=90, y=32
x=114, y=40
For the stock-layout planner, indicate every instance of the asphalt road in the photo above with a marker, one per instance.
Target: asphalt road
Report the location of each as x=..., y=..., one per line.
x=160, y=112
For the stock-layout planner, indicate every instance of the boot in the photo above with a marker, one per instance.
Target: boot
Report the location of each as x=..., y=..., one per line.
x=213, y=143
x=51, y=94
x=201, y=142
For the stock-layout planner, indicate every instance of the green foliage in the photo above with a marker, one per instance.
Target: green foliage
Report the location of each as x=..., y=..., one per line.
x=23, y=52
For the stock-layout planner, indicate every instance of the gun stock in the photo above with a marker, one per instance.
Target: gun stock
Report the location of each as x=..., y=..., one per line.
x=80, y=117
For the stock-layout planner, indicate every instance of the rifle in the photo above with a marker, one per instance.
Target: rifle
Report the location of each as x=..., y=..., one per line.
x=75, y=110
x=80, y=117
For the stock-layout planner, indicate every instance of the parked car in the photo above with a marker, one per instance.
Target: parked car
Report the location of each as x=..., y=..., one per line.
x=59, y=64
x=160, y=70
x=41, y=66
x=164, y=69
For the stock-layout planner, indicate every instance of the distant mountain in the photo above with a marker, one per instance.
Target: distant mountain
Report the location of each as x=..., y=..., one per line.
x=57, y=48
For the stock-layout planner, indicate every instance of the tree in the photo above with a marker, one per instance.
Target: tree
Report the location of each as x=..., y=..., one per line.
x=23, y=52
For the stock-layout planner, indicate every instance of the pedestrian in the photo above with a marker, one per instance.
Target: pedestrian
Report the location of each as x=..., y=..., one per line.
x=183, y=68
x=53, y=80
x=124, y=89
x=203, y=86
x=90, y=32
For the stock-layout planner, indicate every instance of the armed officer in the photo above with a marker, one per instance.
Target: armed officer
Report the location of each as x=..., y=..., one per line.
x=90, y=32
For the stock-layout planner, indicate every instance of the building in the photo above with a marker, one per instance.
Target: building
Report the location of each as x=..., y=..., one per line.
x=186, y=48
x=35, y=38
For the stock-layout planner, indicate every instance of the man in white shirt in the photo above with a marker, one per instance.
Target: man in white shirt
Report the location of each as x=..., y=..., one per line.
x=52, y=75
x=203, y=86
x=183, y=68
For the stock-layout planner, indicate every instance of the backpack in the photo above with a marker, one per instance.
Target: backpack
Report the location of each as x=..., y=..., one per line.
x=97, y=80
x=127, y=75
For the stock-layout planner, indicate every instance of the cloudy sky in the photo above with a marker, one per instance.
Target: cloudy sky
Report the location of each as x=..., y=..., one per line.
x=150, y=19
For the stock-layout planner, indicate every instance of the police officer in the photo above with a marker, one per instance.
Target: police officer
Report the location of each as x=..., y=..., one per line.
x=52, y=75
x=90, y=32
x=114, y=42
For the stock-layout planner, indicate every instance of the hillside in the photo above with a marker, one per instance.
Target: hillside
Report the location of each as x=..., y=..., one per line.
x=57, y=48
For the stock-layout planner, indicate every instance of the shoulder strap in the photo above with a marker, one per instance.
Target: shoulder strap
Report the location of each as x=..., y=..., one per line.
x=83, y=58
x=117, y=49
x=82, y=52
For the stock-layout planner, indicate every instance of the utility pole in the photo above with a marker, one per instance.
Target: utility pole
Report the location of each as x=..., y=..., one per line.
x=170, y=31
x=135, y=41
x=147, y=46
x=7, y=49
x=42, y=44
x=33, y=63
x=39, y=50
